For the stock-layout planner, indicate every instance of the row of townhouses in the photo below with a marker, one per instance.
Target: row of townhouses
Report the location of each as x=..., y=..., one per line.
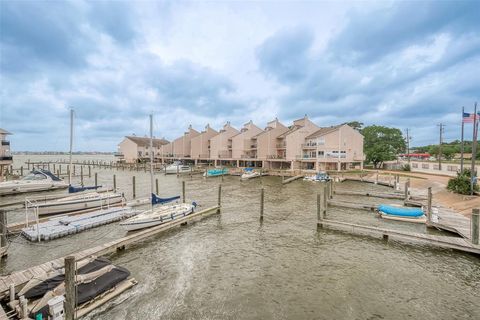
x=5, y=155
x=303, y=145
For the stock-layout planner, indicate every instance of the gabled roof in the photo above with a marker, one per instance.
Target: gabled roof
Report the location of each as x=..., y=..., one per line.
x=3, y=131
x=144, y=142
x=323, y=131
x=290, y=130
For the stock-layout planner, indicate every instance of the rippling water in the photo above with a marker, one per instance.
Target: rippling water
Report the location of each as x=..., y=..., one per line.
x=230, y=266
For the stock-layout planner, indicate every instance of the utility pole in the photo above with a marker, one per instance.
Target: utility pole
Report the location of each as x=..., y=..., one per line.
x=408, y=148
x=442, y=128
x=474, y=150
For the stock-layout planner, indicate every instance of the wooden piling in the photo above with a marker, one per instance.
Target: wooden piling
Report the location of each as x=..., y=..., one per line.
x=114, y=183
x=219, y=196
x=475, y=226
x=325, y=203
x=133, y=186
x=262, y=201
x=429, y=206
x=70, y=294
x=156, y=186
x=96, y=179
x=319, y=210
x=89, y=171
x=81, y=175
x=406, y=191
x=21, y=171
x=183, y=191
x=3, y=228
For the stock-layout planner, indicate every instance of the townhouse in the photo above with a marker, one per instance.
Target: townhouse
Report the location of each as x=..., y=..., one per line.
x=301, y=146
x=135, y=149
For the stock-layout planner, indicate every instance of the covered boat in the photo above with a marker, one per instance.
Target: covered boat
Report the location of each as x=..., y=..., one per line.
x=216, y=172
x=36, y=180
x=318, y=177
x=399, y=213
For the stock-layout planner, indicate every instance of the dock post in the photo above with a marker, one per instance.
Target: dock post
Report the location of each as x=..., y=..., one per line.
x=330, y=195
x=96, y=179
x=23, y=307
x=183, y=191
x=407, y=187
x=325, y=203
x=222, y=172
x=319, y=211
x=429, y=206
x=3, y=228
x=376, y=178
x=28, y=164
x=178, y=170
x=114, y=183
x=89, y=171
x=475, y=226
x=262, y=200
x=59, y=170
x=21, y=171
x=133, y=186
x=12, y=292
x=70, y=296
x=54, y=170
x=156, y=186
x=219, y=197
x=81, y=175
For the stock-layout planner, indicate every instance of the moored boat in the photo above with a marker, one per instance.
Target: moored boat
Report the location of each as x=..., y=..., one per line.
x=399, y=213
x=318, y=177
x=249, y=173
x=36, y=180
x=84, y=201
x=177, y=167
x=216, y=172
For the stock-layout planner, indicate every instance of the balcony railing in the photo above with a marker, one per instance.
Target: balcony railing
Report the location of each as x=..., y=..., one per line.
x=248, y=156
x=5, y=143
x=276, y=156
x=281, y=145
x=6, y=158
x=204, y=156
x=305, y=156
x=309, y=145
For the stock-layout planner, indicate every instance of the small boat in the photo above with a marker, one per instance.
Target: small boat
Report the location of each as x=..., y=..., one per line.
x=84, y=201
x=319, y=177
x=399, y=213
x=36, y=180
x=177, y=167
x=249, y=173
x=158, y=215
x=216, y=172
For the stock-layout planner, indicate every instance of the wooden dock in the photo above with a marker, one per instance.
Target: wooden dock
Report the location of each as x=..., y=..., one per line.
x=352, y=205
x=292, y=179
x=433, y=240
x=370, y=194
x=19, y=278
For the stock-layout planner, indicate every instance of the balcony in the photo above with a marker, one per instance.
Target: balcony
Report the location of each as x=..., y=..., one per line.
x=229, y=147
x=248, y=156
x=6, y=158
x=281, y=145
x=118, y=154
x=5, y=143
x=276, y=156
x=309, y=145
x=253, y=146
x=305, y=156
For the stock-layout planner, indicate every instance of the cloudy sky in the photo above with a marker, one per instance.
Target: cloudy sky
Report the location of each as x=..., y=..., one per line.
x=404, y=64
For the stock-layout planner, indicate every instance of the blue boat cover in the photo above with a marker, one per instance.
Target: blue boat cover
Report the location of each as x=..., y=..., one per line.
x=400, y=211
x=217, y=172
x=248, y=169
x=157, y=200
x=72, y=189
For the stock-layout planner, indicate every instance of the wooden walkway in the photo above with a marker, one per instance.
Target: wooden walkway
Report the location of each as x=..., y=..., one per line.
x=370, y=194
x=292, y=179
x=434, y=240
x=19, y=278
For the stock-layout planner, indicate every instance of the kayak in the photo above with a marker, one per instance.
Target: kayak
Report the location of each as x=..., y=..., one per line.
x=400, y=211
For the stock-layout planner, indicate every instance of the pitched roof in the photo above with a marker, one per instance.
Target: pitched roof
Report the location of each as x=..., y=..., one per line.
x=323, y=131
x=143, y=142
x=3, y=131
x=290, y=130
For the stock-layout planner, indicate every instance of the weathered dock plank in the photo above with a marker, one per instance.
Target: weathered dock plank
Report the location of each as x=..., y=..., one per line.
x=292, y=179
x=370, y=194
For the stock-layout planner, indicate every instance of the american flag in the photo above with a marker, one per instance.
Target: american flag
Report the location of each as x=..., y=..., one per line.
x=468, y=117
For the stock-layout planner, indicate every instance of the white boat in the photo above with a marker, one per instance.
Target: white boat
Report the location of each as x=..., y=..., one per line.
x=177, y=167
x=36, y=180
x=249, y=174
x=157, y=216
x=79, y=202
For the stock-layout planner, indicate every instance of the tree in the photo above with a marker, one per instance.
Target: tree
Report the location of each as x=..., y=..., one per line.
x=461, y=183
x=355, y=125
x=382, y=144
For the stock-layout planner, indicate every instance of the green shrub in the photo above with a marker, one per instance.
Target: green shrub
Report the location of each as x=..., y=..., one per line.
x=461, y=183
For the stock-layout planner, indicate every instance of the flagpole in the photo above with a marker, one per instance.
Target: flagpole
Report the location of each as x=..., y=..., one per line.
x=461, y=145
x=474, y=148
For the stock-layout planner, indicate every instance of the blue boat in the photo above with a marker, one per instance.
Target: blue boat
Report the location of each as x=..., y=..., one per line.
x=216, y=172
x=400, y=211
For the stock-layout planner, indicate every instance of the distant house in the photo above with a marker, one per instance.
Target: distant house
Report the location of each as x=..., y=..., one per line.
x=5, y=156
x=135, y=149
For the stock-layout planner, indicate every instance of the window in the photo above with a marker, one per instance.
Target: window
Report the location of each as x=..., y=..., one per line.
x=425, y=166
x=414, y=165
x=321, y=153
x=321, y=141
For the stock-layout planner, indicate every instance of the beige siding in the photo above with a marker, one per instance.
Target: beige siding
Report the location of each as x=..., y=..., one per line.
x=242, y=142
x=220, y=146
x=129, y=150
x=295, y=139
x=267, y=141
x=201, y=143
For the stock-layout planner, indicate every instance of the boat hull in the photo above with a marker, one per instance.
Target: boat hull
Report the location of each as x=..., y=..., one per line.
x=58, y=207
x=138, y=224
x=29, y=186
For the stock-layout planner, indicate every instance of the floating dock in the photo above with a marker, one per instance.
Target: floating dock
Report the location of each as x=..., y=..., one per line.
x=59, y=227
x=292, y=179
